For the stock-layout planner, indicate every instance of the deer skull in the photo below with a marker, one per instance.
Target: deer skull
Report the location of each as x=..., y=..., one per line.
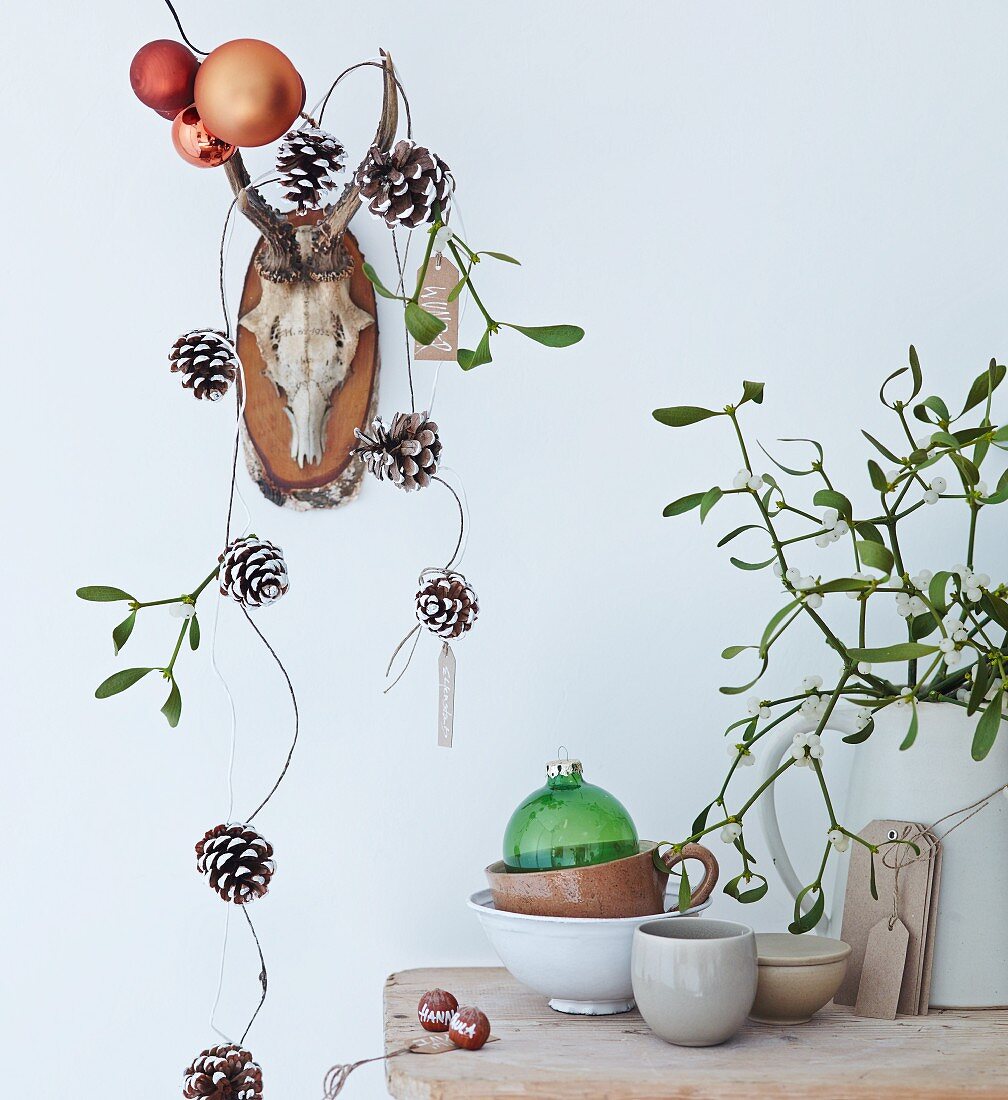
x=307, y=333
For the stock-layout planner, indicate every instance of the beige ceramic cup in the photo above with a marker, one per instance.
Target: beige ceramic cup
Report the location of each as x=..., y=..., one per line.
x=694, y=981
x=629, y=887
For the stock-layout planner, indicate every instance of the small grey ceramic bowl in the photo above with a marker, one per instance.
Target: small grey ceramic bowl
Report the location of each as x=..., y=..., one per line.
x=796, y=976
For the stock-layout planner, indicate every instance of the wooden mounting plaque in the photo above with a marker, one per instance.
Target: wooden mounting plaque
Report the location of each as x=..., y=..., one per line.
x=268, y=431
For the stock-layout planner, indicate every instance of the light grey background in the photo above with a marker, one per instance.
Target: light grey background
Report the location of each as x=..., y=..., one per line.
x=790, y=192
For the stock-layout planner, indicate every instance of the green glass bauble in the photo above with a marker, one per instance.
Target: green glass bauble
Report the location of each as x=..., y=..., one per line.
x=568, y=823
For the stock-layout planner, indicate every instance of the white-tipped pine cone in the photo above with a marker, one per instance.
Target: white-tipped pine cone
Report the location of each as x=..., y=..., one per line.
x=402, y=184
x=207, y=361
x=224, y=1072
x=253, y=572
x=446, y=605
x=306, y=162
x=237, y=861
x=407, y=452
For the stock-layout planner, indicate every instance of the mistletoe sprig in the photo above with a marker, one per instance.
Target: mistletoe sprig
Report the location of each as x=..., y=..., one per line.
x=424, y=327
x=184, y=606
x=956, y=646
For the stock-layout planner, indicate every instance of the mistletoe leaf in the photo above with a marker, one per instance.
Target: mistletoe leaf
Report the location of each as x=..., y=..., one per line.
x=987, y=728
x=102, y=593
x=375, y=281
x=551, y=336
x=683, y=504
x=122, y=632
x=194, y=633
x=876, y=555
x=828, y=498
x=172, y=709
x=120, y=681
x=710, y=498
x=424, y=327
x=876, y=476
x=752, y=391
x=888, y=654
x=911, y=733
x=468, y=359
x=734, y=890
x=681, y=416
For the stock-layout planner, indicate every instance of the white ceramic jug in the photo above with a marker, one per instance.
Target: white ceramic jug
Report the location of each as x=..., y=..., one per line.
x=935, y=776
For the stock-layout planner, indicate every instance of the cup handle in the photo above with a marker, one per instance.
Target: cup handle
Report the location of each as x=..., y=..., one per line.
x=711, y=870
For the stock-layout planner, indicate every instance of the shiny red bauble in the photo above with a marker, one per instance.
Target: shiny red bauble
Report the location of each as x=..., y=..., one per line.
x=163, y=76
x=195, y=144
x=248, y=93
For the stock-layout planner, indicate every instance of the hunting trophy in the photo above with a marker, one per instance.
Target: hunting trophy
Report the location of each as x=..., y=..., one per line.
x=308, y=340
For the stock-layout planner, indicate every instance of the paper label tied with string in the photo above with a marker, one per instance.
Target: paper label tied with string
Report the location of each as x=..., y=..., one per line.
x=441, y=279
x=446, y=696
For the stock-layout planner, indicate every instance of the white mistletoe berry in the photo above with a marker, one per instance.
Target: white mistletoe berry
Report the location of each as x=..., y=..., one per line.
x=731, y=832
x=939, y=484
x=755, y=483
x=811, y=683
x=930, y=496
x=182, y=610
x=839, y=840
x=741, y=479
x=814, y=600
x=864, y=667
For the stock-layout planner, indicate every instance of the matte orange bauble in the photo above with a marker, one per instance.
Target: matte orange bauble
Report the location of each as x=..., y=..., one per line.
x=248, y=93
x=163, y=75
x=195, y=144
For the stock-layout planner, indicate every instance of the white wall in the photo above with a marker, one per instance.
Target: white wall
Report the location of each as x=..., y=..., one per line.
x=788, y=192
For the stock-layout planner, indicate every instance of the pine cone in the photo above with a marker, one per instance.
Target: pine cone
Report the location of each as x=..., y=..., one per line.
x=406, y=453
x=207, y=360
x=223, y=1073
x=253, y=572
x=237, y=860
x=306, y=162
x=402, y=184
x=446, y=605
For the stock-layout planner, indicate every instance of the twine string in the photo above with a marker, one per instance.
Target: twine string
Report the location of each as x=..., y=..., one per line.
x=297, y=717
x=263, y=978
x=903, y=855
x=336, y=1078
x=409, y=356
x=319, y=110
x=178, y=23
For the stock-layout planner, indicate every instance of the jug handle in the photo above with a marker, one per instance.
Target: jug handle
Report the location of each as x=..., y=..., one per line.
x=710, y=865
x=841, y=721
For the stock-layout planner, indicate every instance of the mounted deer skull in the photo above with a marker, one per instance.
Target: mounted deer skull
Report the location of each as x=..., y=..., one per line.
x=306, y=328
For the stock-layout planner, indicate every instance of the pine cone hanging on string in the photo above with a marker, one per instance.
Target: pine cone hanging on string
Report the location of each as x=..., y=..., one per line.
x=402, y=184
x=407, y=452
x=224, y=1072
x=253, y=572
x=237, y=861
x=306, y=162
x=445, y=604
x=207, y=361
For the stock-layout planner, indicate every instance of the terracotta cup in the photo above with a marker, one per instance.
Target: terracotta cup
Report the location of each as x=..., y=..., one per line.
x=630, y=887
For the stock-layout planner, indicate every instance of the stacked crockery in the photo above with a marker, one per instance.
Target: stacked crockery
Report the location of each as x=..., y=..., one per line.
x=574, y=884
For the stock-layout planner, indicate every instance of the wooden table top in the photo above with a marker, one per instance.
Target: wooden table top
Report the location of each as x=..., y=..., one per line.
x=545, y=1054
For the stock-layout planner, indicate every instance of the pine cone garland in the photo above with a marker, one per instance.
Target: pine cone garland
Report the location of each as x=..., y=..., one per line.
x=306, y=162
x=223, y=1073
x=402, y=184
x=253, y=572
x=407, y=452
x=237, y=861
x=207, y=361
x=446, y=605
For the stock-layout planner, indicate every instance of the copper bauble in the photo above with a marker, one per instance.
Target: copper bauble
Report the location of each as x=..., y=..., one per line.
x=163, y=74
x=195, y=144
x=436, y=1009
x=248, y=92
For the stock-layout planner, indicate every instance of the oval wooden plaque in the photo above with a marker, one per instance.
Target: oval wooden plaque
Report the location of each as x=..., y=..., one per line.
x=307, y=328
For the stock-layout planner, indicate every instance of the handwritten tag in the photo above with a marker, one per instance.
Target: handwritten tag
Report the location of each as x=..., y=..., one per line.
x=446, y=696
x=441, y=279
x=882, y=972
x=439, y=1044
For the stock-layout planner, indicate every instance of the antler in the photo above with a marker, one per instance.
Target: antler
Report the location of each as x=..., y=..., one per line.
x=331, y=228
x=281, y=258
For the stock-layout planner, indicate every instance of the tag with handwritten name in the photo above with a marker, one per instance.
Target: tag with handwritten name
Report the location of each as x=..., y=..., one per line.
x=441, y=279
x=446, y=696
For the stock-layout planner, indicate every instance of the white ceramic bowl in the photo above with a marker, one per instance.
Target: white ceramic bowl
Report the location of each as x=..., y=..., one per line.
x=581, y=963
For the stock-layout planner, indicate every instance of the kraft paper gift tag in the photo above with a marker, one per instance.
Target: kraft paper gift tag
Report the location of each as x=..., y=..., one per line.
x=929, y=932
x=882, y=973
x=441, y=279
x=862, y=912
